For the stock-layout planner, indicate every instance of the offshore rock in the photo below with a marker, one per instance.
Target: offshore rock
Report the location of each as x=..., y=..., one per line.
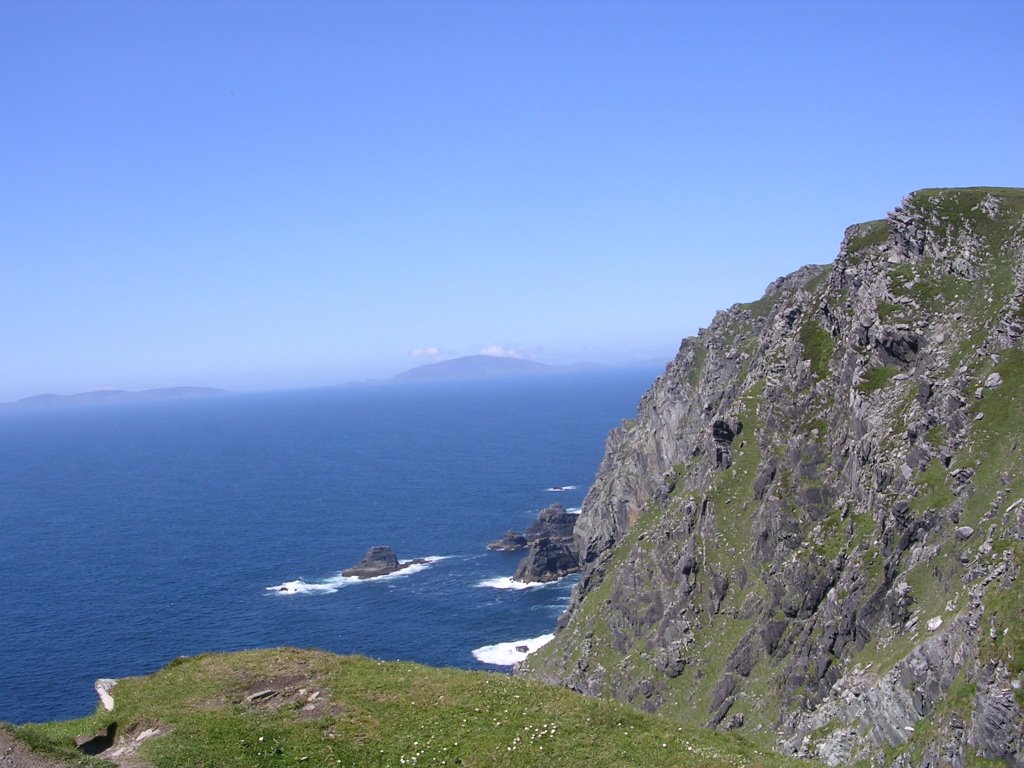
x=553, y=522
x=512, y=541
x=552, y=547
x=547, y=560
x=378, y=561
x=783, y=540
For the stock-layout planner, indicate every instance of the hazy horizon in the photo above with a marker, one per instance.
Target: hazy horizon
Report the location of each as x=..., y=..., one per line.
x=265, y=196
x=581, y=367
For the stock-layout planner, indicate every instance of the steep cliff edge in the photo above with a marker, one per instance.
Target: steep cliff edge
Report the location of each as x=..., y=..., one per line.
x=813, y=530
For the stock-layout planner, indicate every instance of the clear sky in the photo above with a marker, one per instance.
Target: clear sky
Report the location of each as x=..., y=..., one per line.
x=263, y=194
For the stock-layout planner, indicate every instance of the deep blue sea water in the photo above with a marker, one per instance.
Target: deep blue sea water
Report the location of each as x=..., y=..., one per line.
x=132, y=534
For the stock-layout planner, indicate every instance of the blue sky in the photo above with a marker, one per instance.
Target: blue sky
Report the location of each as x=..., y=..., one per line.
x=269, y=194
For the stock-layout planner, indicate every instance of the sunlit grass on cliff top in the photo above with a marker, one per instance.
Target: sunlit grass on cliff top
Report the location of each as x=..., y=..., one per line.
x=331, y=710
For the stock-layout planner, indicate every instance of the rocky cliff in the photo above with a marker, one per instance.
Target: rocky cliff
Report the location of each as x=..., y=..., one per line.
x=812, y=532
x=552, y=547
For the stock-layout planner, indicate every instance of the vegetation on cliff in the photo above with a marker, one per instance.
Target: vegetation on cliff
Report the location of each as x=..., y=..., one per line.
x=812, y=532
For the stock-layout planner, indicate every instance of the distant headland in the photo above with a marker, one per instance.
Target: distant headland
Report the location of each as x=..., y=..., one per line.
x=476, y=367
x=102, y=396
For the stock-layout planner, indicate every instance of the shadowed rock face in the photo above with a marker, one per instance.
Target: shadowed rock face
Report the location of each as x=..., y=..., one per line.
x=547, y=560
x=552, y=547
x=378, y=561
x=554, y=523
x=812, y=528
x=512, y=541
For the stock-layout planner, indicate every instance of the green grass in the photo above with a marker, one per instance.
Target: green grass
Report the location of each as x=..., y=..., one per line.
x=936, y=290
x=958, y=212
x=936, y=435
x=962, y=203
x=382, y=714
x=869, y=234
x=815, y=283
x=934, y=493
x=591, y=614
x=818, y=346
x=762, y=307
x=697, y=681
x=700, y=356
x=887, y=310
x=997, y=450
x=1005, y=611
x=972, y=760
x=877, y=378
x=726, y=552
x=731, y=488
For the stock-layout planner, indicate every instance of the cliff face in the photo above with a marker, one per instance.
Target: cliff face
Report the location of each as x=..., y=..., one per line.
x=813, y=530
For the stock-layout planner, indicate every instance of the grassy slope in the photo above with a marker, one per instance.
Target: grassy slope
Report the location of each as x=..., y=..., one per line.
x=381, y=714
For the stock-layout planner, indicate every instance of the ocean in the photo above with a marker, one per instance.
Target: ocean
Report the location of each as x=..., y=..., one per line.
x=134, y=533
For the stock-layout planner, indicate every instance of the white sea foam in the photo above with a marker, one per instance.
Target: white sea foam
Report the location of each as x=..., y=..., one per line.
x=560, y=488
x=507, y=582
x=334, y=583
x=507, y=654
x=409, y=571
x=300, y=587
x=574, y=510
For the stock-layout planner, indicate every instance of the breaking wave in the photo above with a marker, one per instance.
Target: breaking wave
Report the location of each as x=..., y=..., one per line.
x=507, y=582
x=334, y=583
x=560, y=488
x=507, y=654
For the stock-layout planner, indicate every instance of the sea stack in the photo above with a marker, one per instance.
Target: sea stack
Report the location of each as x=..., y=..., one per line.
x=554, y=523
x=547, y=560
x=552, y=549
x=378, y=561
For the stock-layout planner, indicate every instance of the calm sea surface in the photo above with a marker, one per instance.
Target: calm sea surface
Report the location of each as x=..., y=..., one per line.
x=132, y=534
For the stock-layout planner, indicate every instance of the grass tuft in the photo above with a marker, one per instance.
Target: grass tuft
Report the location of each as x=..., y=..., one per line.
x=818, y=346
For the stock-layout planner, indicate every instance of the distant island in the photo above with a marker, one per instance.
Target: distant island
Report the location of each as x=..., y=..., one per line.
x=475, y=367
x=101, y=396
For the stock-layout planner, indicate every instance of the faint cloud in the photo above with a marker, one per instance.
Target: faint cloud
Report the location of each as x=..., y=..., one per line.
x=497, y=351
x=428, y=353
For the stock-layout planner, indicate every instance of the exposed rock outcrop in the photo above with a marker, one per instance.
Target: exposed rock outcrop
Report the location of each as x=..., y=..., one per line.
x=811, y=531
x=552, y=547
x=553, y=522
x=547, y=560
x=104, y=689
x=378, y=561
x=512, y=541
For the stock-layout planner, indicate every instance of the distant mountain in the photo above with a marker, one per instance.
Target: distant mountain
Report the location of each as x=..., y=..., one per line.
x=476, y=367
x=113, y=396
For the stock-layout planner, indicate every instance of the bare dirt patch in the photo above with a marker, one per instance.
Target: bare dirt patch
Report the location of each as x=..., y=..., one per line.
x=15, y=754
x=302, y=693
x=124, y=750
